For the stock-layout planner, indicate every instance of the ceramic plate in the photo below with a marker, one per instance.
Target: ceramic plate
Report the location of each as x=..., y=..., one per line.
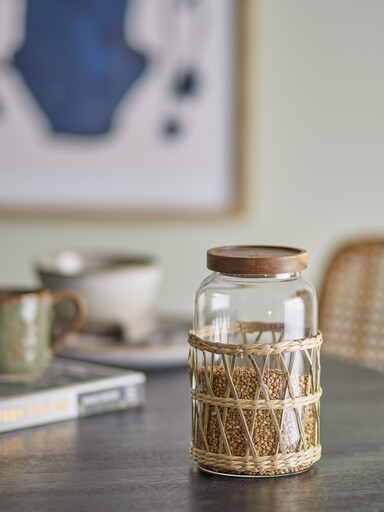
x=165, y=347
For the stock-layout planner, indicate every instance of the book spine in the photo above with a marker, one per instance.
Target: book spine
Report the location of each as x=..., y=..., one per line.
x=69, y=403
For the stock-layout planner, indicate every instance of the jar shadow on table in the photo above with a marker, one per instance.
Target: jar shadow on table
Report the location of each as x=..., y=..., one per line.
x=295, y=493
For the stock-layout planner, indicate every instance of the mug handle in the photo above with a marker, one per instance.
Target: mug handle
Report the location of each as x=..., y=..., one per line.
x=78, y=320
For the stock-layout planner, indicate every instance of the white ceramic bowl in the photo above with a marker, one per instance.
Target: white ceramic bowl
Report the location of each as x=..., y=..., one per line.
x=119, y=289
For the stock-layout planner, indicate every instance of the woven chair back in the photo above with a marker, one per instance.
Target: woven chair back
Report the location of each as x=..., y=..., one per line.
x=352, y=304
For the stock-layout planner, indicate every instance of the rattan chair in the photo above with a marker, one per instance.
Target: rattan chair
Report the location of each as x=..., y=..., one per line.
x=351, y=314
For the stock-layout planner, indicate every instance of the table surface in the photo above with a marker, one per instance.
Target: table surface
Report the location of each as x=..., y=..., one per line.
x=138, y=460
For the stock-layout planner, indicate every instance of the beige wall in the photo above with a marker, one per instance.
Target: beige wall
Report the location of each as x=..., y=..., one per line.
x=317, y=174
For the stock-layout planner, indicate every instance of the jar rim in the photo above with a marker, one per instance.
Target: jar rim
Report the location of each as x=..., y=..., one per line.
x=256, y=259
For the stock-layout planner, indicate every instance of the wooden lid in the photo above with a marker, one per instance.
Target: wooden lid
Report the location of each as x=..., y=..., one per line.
x=256, y=259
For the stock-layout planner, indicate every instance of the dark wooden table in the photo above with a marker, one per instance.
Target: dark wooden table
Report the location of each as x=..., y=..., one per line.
x=138, y=460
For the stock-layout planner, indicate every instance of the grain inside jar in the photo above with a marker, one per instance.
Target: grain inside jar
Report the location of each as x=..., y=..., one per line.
x=260, y=422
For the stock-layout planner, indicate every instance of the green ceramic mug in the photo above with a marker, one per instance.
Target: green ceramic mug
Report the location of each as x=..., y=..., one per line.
x=26, y=318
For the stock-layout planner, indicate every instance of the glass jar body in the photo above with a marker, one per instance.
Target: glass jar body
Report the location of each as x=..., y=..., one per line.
x=247, y=312
x=287, y=299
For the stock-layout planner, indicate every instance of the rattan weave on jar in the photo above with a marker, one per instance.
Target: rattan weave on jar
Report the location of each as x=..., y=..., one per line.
x=253, y=413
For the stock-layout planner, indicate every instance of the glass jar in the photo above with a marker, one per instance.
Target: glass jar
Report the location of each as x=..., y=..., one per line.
x=255, y=364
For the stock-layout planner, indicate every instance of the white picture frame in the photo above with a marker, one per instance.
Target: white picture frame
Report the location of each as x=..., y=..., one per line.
x=137, y=167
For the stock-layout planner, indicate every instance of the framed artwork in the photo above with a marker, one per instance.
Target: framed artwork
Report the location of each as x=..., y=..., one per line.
x=123, y=107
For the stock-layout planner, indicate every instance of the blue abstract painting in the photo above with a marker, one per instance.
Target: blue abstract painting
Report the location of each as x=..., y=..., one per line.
x=76, y=62
x=119, y=105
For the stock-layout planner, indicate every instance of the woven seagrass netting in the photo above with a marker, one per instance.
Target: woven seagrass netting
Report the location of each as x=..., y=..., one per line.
x=255, y=405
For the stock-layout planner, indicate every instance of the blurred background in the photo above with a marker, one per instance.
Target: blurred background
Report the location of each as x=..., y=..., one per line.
x=314, y=174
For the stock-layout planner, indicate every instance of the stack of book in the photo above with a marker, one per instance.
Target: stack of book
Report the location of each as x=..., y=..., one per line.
x=67, y=390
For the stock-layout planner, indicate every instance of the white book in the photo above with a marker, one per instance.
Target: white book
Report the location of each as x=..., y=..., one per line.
x=67, y=390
